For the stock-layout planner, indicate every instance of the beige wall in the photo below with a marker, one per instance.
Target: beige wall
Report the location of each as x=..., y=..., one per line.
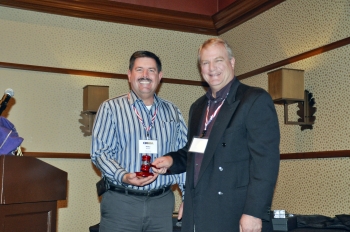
x=47, y=108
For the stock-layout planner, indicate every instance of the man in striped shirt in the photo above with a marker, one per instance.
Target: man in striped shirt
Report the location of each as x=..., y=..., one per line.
x=126, y=130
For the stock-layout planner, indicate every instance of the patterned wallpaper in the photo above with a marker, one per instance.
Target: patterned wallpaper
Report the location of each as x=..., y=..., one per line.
x=47, y=106
x=314, y=186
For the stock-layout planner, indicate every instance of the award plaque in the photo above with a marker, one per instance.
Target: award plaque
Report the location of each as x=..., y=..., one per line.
x=145, y=166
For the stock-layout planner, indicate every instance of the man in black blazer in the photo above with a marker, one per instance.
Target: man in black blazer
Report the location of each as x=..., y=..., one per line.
x=232, y=154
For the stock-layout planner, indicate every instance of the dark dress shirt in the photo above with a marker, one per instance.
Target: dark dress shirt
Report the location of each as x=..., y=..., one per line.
x=213, y=103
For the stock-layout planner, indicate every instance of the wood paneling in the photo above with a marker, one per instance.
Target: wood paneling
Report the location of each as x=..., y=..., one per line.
x=191, y=6
x=121, y=13
x=57, y=155
x=233, y=15
x=316, y=155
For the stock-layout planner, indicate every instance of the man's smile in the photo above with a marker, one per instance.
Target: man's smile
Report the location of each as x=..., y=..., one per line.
x=144, y=80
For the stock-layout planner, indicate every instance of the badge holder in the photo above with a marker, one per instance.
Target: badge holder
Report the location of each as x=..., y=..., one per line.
x=145, y=166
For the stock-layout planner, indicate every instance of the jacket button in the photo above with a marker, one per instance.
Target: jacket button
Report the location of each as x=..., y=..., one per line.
x=224, y=144
x=220, y=193
x=220, y=168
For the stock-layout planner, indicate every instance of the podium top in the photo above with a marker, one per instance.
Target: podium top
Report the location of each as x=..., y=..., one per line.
x=28, y=179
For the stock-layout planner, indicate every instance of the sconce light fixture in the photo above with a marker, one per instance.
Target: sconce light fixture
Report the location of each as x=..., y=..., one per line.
x=286, y=86
x=93, y=96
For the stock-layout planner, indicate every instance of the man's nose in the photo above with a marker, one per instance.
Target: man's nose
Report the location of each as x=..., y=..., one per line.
x=212, y=66
x=145, y=73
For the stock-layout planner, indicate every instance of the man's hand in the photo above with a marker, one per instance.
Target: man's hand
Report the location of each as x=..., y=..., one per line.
x=181, y=210
x=131, y=178
x=250, y=224
x=161, y=164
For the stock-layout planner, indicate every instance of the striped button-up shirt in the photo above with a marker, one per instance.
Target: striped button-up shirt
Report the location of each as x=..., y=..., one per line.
x=117, y=131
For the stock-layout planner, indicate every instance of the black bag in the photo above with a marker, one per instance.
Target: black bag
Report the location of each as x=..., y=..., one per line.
x=94, y=228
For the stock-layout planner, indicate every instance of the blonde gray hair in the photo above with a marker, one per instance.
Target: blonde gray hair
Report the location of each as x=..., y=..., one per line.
x=215, y=41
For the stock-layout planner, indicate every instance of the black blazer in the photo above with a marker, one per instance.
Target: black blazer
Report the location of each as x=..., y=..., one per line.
x=240, y=165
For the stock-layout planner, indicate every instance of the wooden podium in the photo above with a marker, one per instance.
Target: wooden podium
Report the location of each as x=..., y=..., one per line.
x=29, y=192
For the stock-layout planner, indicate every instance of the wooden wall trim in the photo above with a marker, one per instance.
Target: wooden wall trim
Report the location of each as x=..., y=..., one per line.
x=286, y=156
x=267, y=68
x=239, y=12
x=57, y=155
x=117, y=12
x=316, y=155
x=91, y=73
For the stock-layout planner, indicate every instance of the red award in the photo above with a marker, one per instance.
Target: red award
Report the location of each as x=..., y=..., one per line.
x=145, y=166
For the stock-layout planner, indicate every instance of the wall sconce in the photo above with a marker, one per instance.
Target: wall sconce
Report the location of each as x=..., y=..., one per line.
x=93, y=96
x=286, y=86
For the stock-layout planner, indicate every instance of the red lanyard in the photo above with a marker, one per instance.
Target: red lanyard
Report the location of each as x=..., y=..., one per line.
x=210, y=119
x=142, y=122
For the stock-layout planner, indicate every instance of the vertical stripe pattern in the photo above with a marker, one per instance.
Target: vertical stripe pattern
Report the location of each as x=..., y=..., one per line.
x=117, y=131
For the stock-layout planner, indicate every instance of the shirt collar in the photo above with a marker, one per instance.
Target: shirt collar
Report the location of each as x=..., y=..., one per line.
x=222, y=93
x=133, y=99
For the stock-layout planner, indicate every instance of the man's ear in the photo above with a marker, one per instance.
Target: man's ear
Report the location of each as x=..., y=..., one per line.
x=160, y=75
x=129, y=75
x=232, y=61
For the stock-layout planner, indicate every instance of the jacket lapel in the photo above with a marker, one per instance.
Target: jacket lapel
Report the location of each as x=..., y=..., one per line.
x=223, y=118
x=197, y=117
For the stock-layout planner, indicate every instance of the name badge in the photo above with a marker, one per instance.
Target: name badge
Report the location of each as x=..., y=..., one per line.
x=198, y=145
x=148, y=146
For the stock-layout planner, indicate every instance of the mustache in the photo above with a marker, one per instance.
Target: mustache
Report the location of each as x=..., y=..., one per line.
x=144, y=79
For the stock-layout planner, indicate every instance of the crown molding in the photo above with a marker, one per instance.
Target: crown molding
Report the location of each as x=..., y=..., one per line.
x=235, y=14
x=120, y=13
x=239, y=12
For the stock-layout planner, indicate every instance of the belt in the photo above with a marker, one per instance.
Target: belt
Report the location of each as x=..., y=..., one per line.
x=150, y=193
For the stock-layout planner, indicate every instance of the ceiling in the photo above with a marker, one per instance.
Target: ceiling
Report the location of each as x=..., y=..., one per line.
x=212, y=18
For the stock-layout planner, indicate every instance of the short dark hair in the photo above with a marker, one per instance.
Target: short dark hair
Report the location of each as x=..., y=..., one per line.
x=148, y=54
